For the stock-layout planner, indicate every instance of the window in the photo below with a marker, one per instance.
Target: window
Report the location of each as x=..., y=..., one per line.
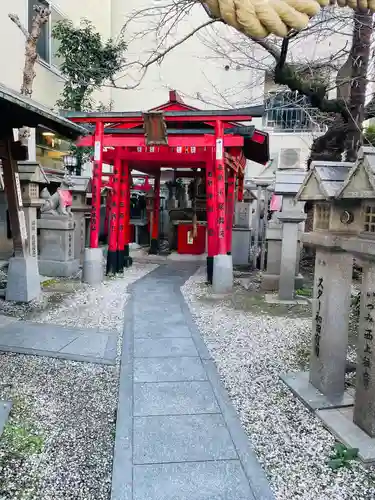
x=369, y=216
x=322, y=215
x=46, y=46
x=289, y=111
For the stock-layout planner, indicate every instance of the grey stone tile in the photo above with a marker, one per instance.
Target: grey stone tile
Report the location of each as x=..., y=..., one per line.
x=182, y=438
x=6, y=320
x=88, y=345
x=222, y=480
x=159, y=310
x=174, y=398
x=168, y=369
x=166, y=330
x=155, y=348
x=35, y=336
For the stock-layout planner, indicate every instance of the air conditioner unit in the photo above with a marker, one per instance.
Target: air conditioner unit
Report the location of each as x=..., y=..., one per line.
x=289, y=158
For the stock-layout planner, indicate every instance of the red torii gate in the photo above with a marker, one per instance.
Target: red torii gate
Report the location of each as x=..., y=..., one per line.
x=213, y=141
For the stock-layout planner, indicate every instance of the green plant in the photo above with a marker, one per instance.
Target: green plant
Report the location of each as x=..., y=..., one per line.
x=21, y=441
x=342, y=456
x=369, y=134
x=304, y=292
x=87, y=62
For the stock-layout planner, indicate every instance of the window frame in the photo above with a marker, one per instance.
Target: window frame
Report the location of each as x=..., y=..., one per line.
x=48, y=64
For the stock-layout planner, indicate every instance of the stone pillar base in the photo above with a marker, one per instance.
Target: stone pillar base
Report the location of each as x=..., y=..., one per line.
x=154, y=247
x=56, y=268
x=23, y=279
x=210, y=269
x=222, y=274
x=92, y=273
x=270, y=282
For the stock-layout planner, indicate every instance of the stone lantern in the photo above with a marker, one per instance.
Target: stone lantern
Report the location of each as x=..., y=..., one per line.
x=283, y=236
x=353, y=217
x=31, y=175
x=334, y=218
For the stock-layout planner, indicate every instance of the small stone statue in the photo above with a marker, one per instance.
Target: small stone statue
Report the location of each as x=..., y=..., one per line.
x=58, y=204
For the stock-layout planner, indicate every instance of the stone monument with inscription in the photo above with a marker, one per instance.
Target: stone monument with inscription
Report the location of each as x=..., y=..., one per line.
x=324, y=385
x=56, y=226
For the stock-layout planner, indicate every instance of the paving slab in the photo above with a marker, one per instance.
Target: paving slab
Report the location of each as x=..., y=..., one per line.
x=74, y=344
x=178, y=436
x=181, y=438
x=155, y=348
x=168, y=369
x=174, y=398
x=224, y=480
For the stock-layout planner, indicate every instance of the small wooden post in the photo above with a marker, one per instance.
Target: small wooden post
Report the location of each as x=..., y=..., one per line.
x=154, y=246
x=240, y=186
x=112, y=256
x=96, y=185
x=10, y=153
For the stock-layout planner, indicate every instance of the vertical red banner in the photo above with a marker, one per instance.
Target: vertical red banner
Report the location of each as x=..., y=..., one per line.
x=230, y=209
x=112, y=257
x=220, y=186
x=96, y=185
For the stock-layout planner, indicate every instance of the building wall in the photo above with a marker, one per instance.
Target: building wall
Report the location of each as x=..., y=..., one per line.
x=48, y=82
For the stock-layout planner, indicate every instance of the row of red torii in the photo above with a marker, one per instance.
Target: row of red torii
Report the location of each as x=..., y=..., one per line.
x=173, y=135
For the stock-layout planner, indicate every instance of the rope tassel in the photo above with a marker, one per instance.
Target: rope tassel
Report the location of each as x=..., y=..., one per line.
x=260, y=18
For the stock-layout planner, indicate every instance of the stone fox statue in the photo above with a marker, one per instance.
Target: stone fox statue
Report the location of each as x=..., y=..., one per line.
x=60, y=202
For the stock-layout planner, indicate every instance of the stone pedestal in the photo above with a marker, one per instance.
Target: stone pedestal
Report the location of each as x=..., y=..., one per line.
x=222, y=281
x=331, y=306
x=57, y=246
x=241, y=240
x=271, y=277
x=93, y=268
x=79, y=235
x=23, y=284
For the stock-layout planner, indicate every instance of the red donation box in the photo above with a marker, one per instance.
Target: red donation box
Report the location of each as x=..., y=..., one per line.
x=186, y=244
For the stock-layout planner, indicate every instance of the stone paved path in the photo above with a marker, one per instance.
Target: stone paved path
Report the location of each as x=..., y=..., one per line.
x=178, y=436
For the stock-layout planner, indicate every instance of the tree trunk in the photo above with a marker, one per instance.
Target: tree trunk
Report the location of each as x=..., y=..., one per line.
x=344, y=136
x=360, y=54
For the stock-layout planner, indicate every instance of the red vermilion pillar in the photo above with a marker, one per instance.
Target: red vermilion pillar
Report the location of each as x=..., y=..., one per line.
x=122, y=217
x=220, y=187
x=112, y=255
x=154, y=245
x=96, y=185
x=211, y=203
x=223, y=268
x=230, y=209
x=128, y=261
x=107, y=212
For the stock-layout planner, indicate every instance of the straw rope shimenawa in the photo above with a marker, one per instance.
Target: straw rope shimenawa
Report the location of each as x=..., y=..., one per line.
x=260, y=18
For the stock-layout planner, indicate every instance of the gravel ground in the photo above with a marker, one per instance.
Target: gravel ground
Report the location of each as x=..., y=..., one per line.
x=58, y=443
x=251, y=349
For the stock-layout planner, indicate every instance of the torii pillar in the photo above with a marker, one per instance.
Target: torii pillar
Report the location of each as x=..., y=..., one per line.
x=93, y=258
x=223, y=263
